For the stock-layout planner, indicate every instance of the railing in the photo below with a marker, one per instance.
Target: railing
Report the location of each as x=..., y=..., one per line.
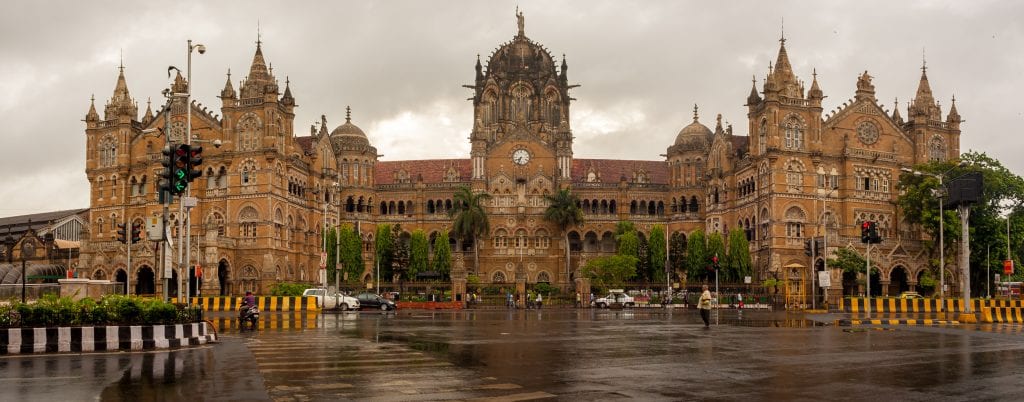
x=33, y=291
x=870, y=154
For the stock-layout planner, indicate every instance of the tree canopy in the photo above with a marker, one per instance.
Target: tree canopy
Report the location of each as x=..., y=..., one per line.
x=610, y=270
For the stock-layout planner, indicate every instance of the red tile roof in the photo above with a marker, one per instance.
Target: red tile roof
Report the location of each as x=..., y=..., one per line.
x=433, y=170
x=611, y=170
x=306, y=143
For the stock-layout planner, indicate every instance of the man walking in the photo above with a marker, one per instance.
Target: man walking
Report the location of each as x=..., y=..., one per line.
x=704, y=305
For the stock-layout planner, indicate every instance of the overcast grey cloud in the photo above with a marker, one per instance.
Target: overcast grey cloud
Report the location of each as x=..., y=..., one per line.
x=400, y=66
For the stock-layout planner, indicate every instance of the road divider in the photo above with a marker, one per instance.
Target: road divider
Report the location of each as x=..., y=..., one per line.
x=264, y=303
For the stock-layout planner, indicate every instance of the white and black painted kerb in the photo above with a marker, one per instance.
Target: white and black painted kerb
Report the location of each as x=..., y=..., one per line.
x=107, y=338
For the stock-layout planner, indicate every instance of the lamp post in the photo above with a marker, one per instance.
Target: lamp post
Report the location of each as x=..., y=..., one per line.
x=940, y=193
x=188, y=190
x=28, y=250
x=337, y=242
x=824, y=247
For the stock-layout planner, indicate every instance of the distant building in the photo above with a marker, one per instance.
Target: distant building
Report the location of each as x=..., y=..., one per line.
x=52, y=238
x=265, y=191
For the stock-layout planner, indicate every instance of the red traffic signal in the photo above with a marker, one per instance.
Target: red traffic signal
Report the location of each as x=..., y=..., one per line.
x=136, y=232
x=121, y=233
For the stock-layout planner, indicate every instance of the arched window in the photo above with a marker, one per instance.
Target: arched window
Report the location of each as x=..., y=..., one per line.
x=521, y=240
x=249, y=131
x=216, y=219
x=795, y=217
x=107, y=151
x=762, y=138
x=248, y=219
x=520, y=104
x=794, y=134
x=936, y=149
x=498, y=277
x=543, y=277
x=543, y=239
x=248, y=173
x=500, y=238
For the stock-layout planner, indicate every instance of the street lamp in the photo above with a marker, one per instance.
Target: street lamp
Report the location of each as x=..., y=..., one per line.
x=188, y=190
x=824, y=249
x=940, y=193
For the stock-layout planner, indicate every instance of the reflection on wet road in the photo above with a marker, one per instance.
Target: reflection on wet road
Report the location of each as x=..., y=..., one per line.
x=549, y=354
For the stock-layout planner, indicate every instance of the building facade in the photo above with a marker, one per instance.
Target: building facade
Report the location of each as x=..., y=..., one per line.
x=267, y=192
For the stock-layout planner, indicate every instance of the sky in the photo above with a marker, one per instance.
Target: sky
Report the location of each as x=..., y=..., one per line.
x=400, y=65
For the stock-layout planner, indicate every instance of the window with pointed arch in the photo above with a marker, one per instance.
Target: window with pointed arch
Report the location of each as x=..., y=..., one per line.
x=248, y=173
x=489, y=107
x=543, y=277
x=107, y=151
x=498, y=277
x=543, y=239
x=794, y=176
x=794, y=134
x=936, y=149
x=500, y=239
x=795, y=219
x=248, y=219
x=762, y=138
x=249, y=129
x=99, y=187
x=216, y=219
x=520, y=104
x=520, y=240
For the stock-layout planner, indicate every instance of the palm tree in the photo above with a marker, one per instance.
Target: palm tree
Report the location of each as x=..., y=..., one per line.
x=470, y=218
x=564, y=211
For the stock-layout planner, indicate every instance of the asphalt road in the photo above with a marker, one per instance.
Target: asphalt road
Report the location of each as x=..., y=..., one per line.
x=549, y=354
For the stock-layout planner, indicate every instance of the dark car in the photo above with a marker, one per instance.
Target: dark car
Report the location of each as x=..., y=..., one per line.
x=372, y=300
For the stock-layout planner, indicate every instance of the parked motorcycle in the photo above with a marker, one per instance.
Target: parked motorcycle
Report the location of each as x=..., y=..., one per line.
x=248, y=315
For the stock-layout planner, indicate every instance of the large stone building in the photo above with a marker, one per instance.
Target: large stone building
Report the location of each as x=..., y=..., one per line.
x=801, y=172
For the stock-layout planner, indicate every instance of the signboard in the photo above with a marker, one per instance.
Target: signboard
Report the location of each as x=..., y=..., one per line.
x=189, y=202
x=323, y=260
x=996, y=278
x=153, y=227
x=1008, y=267
x=167, y=264
x=824, y=279
x=746, y=279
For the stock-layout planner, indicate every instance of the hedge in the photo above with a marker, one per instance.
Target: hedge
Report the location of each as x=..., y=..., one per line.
x=53, y=311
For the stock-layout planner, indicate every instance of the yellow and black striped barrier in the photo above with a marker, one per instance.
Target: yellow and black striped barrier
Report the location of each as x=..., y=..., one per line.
x=897, y=305
x=264, y=303
x=269, y=321
x=847, y=323
x=1013, y=315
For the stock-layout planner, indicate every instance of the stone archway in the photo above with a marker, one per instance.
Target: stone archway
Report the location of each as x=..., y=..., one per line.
x=223, y=277
x=145, y=281
x=899, y=280
x=122, y=277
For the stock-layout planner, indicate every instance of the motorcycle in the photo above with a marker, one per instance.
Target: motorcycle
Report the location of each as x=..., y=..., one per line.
x=248, y=314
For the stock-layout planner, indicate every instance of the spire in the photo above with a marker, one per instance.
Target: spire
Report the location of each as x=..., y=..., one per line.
x=694, y=112
x=260, y=80
x=953, y=116
x=148, y=115
x=815, y=92
x=121, y=101
x=229, y=91
x=753, y=98
x=287, y=98
x=924, y=104
x=783, y=78
x=348, y=114
x=896, y=112
x=92, y=115
x=479, y=71
x=565, y=69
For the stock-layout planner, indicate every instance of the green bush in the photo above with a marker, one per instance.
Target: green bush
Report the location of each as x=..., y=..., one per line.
x=287, y=289
x=546, y=288
x=51, y=311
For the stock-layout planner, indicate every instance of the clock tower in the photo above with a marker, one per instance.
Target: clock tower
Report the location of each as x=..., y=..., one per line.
x=521, y=140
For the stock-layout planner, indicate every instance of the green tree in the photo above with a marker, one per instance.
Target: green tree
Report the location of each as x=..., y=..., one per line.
x=643, y=257
x=331, y=246
x=623, y=227
x=384, y=249
x=442, y=254
x=351, y=253
x=563, y=211
x=610, y=271
x=657, y=246
x=400, y=253
x=677, y=253
x=470, y=218
x=629, y=244
x=738, y=261
x=419, y=253
x=696, y=256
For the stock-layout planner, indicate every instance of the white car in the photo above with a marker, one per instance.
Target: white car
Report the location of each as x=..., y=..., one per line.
x=332, y=301
x=614, y=297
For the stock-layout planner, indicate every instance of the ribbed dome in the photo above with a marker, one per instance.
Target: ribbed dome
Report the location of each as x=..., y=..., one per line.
x=348, y=133
x=521, y=55
x=693, y=130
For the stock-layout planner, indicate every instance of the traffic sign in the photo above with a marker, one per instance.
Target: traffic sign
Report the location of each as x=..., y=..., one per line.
x=323, y=260
x=824, y=279
x=1008, y=267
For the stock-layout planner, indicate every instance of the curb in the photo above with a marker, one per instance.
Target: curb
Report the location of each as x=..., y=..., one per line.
x=15, y=341
x=852, y=322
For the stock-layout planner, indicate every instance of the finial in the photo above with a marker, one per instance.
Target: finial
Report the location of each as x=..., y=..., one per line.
x=348, y=114
x=258, y=36
x=896, y=103
x=229, y=74
x=954, y=99
x=753, y=79
x=121, y=65
x=924, y=62
x=695, y=112
x=814, y=73
x=92, y=99
x=287, y=80
x=782, y=38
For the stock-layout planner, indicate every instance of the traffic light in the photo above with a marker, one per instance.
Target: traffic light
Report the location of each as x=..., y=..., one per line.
x=809, y=247
x=714, y=263
x=865, y=232
x=121, y=236
x=195, y=158
x=873, y=233
x=167, y=174
x=179, y=181
x=136, y=233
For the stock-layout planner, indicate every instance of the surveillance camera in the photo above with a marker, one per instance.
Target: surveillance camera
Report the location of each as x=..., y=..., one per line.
x=201, y=48
x=216, y=143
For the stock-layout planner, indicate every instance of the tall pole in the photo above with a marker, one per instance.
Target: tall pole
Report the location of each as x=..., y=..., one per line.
x=128, y=238
x=942, y=249
x=324, y=248
x=965, y=256
x=867, y=281
x=988, y=271
x=166, y=195
x=337, y=251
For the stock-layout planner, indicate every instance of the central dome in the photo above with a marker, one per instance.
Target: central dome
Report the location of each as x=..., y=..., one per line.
x=348, y=133
x=693, y=131
x=521, y=55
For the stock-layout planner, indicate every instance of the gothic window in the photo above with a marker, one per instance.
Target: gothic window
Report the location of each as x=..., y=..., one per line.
x=134, y=186
x=500, y=239
x=249, y=130
x=142, y=186
x=222, y=177
x=451, y=175
x=794, y=134
x=794, y=225
x=355, y=173
x=543, y=240
x=520, y=102
x=521, y=240
x=248, y=218
x=551, y=107
x=794, y=176
x=113, y=185
x=762, y=137
x=99, y=187
x=488, y=107
x=543, y=277
x=280, y=135
x=936, y=149
x=108, y=151
x=248, y=173
x=498, y=277
x=216, y=219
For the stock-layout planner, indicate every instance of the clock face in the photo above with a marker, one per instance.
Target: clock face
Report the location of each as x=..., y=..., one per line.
x=521, y=156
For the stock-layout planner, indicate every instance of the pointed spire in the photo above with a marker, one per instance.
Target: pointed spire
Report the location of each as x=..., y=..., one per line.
x=229, y=91
x=784, y=79
x=953, y=116
x=287, y=98
x=924, y=102
x=896, y=112
x=753, y=98
x=815, y=92
x=147, y=116
x=260, y=80
x=121, y=101
x=92, y=115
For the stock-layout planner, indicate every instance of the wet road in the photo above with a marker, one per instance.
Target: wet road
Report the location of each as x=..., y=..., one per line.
x=548, y=354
